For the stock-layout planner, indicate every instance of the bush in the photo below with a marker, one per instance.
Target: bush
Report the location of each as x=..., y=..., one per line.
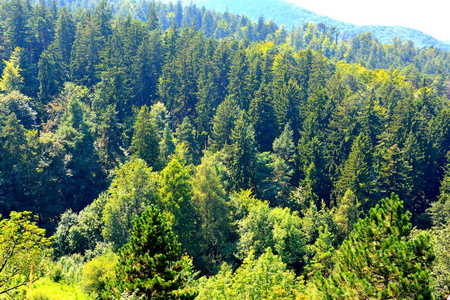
x=96, y=272
x=67, y=268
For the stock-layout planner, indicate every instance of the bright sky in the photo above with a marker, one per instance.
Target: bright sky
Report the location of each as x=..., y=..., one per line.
x=430, y=16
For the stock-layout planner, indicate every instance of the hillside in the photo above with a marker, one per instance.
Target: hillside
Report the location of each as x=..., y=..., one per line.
x=290, y=15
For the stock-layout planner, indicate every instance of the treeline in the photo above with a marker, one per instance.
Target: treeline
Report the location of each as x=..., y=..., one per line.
x=103, y=117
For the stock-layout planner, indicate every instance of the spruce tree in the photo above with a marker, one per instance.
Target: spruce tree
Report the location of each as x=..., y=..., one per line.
x=145, y=143
x=357, y=174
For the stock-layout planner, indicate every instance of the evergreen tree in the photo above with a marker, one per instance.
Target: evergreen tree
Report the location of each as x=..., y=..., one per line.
x=82, y=163
x=358, y=174
x=186, y=135
x=242, y=164
x=109, y=142
x=380, y=259
x=262, y=117
x=224, y=121
x=85, y=54
x=166, y=146
x=152, y=18
x=51, y=75
x=150, y=263
x=18, y=31
x=64, y=35
x=322, y=260
x=145, y=143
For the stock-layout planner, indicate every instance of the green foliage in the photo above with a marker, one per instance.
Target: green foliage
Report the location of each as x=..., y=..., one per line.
x=440, y=270
x=23, y=251
x=131, y=192
x=11, y=79
x=150, y=263
x=96, y=272
x=358, y=175
x=277, y=228
x=214, y=213
x=21, y=106
x=380, y=259
x=175, y=194
x=242, y=161
x=145, y=143
x=323, y=253
x=266, y=277
x=224, y=120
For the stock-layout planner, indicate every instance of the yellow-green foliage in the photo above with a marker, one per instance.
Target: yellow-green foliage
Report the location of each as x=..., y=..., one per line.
x=264, y=278
x=46, y=289
x=23, y=251
x=11, y=79
x=96, y=272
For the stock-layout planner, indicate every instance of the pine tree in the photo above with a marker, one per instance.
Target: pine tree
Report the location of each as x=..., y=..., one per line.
x=84, y=181
x=380, y=259
x=186, y=135
x=150, y=263
x=166, y=146
x=109, y=142
x=152, y=18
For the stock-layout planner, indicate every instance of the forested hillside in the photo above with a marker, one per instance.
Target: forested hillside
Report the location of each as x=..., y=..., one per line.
x=184, y=154
x=290, y=14
x=282, y=12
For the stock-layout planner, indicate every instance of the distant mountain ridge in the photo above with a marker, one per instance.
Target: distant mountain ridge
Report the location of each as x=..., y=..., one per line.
x=289, y=14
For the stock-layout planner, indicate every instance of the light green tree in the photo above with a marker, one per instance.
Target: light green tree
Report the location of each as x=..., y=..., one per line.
x=214, y=213
x=175, y=192
x=11, y=79
x=131, y=192
x=266, y=277
x=23, y=251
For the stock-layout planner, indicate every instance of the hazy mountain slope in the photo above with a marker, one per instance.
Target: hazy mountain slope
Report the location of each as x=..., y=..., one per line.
x=290, y=14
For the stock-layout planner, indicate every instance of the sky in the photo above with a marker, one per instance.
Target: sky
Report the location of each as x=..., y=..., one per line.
x=429, y=16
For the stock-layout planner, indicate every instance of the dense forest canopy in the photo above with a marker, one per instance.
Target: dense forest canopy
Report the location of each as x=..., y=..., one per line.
x=176, y=148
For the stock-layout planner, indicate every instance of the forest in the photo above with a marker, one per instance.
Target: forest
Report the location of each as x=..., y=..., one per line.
x=164, y=151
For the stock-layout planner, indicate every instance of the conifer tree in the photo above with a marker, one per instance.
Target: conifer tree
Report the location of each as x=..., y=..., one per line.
x=166, y=146
x=322, y=260
x=150, y=263
x=51, y=75
x=224, y=121
x=358, y=174
x=242, y=164
x=64, y=35
x=263, y=119
x=145, y=143
x=380, y=259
